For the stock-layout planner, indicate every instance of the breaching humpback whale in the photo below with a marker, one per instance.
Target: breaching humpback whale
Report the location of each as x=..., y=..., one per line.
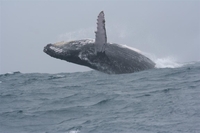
x=100, y=55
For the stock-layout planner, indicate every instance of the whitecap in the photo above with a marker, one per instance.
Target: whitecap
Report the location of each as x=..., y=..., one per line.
x=74, y=131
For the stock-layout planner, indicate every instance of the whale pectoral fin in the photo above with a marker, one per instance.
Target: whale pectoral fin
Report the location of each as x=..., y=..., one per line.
x=100, y=38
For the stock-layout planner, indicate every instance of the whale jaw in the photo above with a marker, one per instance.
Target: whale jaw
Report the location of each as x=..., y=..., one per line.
x=70, y=52
x=53, y=51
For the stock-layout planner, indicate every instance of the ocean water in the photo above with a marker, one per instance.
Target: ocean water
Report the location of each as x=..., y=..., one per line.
x=161, y=100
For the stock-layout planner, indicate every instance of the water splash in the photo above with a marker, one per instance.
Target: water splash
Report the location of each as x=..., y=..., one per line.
x=76, y=35
x=165, y=62
x=168, y=62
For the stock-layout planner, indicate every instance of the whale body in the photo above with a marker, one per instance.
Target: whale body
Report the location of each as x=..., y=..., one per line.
x=100, y=55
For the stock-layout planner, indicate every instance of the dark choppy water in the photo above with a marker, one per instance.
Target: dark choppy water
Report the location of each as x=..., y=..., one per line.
x=155, y=101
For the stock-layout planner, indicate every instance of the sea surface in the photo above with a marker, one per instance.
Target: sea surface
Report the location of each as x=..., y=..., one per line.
x=161, y=100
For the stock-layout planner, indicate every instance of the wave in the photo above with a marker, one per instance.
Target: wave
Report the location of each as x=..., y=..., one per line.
x=10, y=73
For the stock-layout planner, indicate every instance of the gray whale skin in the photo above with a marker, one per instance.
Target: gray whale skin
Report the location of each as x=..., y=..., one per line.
x=100, y=55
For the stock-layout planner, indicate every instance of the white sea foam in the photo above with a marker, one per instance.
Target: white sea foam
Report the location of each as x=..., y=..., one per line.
x=165, y=62
x=74, y=131
x=59, y=76
x=168, y=62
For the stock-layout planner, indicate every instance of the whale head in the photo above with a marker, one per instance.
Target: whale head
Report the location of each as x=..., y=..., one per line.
x=68, y=51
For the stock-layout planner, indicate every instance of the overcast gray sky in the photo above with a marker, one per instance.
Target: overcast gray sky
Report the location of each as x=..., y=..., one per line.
x=160, y=28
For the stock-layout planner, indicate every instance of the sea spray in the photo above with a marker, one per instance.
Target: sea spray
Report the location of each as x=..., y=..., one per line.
x=164, y=62
x=168, y=62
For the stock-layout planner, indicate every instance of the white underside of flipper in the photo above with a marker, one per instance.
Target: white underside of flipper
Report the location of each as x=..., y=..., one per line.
x=100, y=38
